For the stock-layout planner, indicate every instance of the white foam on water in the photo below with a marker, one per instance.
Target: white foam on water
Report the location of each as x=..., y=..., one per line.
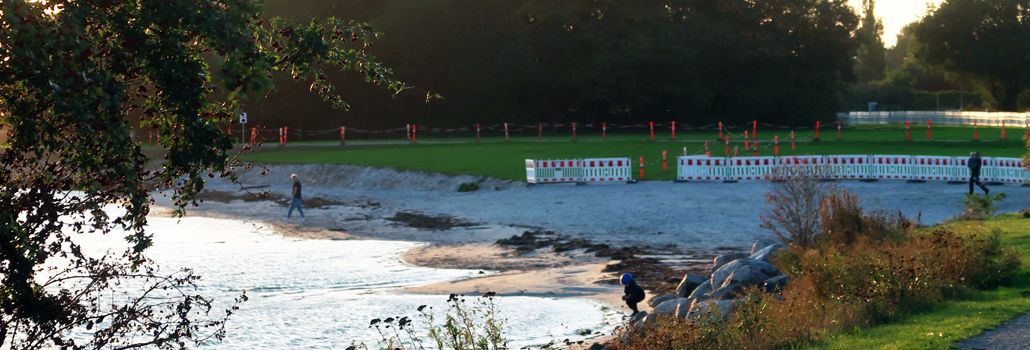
x=323, y=293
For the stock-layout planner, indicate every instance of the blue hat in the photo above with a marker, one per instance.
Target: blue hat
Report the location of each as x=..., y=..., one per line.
x=626, y=279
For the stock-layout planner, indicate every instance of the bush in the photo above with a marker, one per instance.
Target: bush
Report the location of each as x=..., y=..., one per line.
x=794, y=204
x=859, y=269
x=468, y=187
x=979, y=207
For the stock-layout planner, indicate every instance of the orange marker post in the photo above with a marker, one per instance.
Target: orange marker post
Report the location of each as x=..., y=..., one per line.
x=929, y=129
x=735, y=150
x=908, y=131
x=727, y=145
x=414, y=133
x=674, y=129
x=776, y=145
x=754, y=148
x=1003, y=130
x=505, y=132
x=343, y=134
x=754, y=129
x=707, y=153
x=573, y=131
x=477, y=132
x=604, y=130
x=286, y=134
x=976, y=133
x=665, y=162
x=720, y=130
x=818, y=124
x=641, y=168
x=253, y=136
x=792, y=147
x=651, y=124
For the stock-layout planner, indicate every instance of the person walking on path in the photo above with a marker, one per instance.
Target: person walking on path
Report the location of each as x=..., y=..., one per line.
x=634, y=294
x=296, y=201
x=974, y=172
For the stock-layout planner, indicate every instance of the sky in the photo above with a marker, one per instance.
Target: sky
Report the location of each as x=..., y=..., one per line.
x=895, y=14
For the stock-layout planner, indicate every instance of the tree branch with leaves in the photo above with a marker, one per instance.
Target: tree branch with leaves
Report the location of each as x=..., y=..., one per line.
x=73, y=74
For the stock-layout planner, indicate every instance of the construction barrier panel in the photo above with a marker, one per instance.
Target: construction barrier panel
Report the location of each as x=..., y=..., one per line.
x=701, y=168
x=607, y=170
x=595, y=170
x=849, y=167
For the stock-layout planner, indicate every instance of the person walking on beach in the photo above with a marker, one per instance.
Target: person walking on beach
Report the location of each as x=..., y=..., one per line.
x=634, y=294
x=296, y=201
x=974, y=172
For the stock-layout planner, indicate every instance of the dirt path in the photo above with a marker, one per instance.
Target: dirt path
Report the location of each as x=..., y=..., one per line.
x=1014, y=334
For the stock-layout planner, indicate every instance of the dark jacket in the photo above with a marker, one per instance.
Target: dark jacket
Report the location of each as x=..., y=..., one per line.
x=634, y=293
x=296, y=189
x=974, y=166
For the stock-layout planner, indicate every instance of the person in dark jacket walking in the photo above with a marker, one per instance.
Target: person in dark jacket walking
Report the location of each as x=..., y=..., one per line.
x=974, y=172
x=634, y=294
x=296, y=201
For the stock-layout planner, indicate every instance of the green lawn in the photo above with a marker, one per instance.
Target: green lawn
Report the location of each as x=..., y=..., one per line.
x=953, y=321
x=495, y=157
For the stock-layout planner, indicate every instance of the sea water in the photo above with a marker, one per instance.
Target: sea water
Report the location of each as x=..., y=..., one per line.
x=306, y=293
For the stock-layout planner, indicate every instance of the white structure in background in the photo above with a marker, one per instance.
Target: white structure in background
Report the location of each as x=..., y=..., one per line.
x=1012, y=119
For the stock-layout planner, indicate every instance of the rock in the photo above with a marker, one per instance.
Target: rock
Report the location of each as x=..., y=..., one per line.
x=724, y=259
x=660, y=299
x=723, y=307
x=701, y=291
x=745, y=276
x=765, y=254
x=761, y=243
x=766, y=267
x=751, y=266
x=639, y=317
x=597, y=346
x=666, y=308
x=775, y=284
x=647, y=320
x=688, y=284
x=728, y=291
x=682, y=307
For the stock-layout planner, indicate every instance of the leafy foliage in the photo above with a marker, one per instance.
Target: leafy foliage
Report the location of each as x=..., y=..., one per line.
x=979, y=207
x=871, y=62
x=524, y=61
x=73, y=76
x=984, y=40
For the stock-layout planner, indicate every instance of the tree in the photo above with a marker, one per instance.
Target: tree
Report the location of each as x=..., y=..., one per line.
x=871, y=62
x=73, y=74
x=985, y=40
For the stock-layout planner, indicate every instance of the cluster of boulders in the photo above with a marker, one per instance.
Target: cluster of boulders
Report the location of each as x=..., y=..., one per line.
x=731, y=274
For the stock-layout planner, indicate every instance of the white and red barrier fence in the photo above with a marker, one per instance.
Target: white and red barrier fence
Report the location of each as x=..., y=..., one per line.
x=850, y=167
x=596, y=170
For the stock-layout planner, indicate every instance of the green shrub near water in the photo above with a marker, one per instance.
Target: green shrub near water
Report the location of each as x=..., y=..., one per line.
x=468, y=187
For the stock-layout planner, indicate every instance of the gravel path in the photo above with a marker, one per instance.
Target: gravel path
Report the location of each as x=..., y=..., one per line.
x=1014, y=334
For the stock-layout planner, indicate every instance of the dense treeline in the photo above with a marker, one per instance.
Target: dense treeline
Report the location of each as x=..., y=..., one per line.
x=694, y=61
